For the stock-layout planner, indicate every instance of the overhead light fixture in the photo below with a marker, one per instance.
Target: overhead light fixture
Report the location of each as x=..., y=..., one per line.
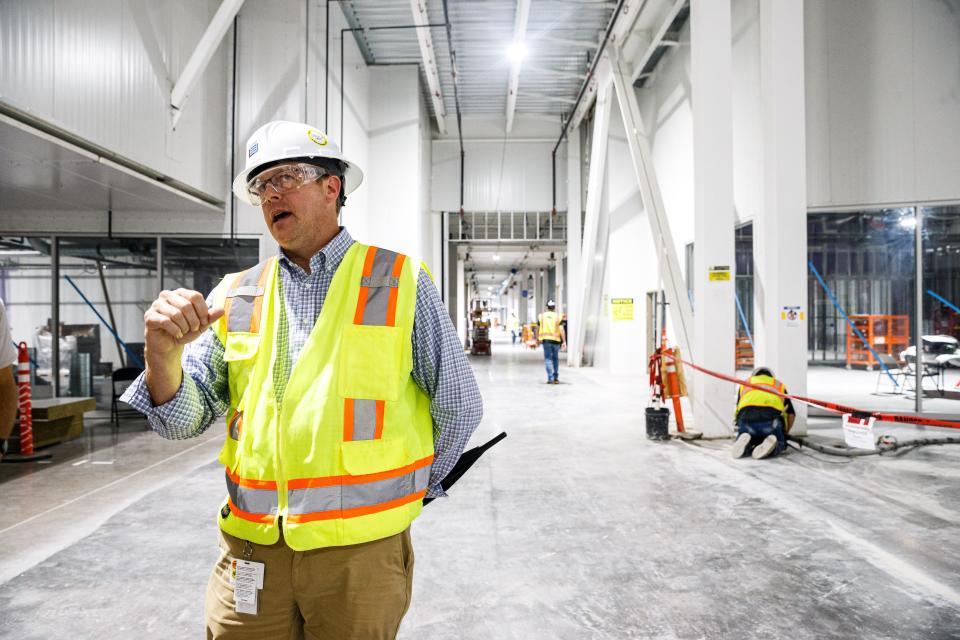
x=516, y=51
x=496, y=257
x=908, y=222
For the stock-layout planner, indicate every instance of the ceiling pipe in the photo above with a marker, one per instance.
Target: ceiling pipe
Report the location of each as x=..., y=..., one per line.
x=583, y=89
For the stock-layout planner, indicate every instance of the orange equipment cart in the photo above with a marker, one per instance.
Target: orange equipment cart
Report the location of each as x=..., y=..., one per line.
x=887, y=334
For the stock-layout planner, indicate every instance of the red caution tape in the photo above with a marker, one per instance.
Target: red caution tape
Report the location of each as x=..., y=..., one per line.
x=831, y=406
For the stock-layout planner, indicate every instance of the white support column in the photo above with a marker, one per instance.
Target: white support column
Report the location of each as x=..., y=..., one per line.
x=574, y=221
x=595, y=181
x=712, y=80
x=673, y=282
x=461, y=302
x=780, y=229
x=522, y=301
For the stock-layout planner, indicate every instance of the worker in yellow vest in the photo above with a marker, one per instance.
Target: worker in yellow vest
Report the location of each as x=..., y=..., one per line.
x=348, y=399
x=551, y=335
x=763, y=418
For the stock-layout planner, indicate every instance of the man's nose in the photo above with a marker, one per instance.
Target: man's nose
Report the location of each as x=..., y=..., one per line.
x=270, y=193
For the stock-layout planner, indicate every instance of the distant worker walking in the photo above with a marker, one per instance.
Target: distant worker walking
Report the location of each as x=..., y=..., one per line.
x=552, y=337
x=348, y=399
x=763, y=418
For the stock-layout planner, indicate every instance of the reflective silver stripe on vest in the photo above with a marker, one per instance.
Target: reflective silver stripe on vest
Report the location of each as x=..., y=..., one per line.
x=260, y=501
x=378, y=295
x=235, y=426
x=364, y=419
x=352, y=496
x=244, y=295
x=370, y=281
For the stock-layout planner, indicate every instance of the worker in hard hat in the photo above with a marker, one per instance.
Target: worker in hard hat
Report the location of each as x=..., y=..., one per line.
x=347, y=394
x=763, y=418
x=552, y=336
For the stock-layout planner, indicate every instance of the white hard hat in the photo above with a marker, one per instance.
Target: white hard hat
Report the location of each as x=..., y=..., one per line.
x=283, y=140
x=551, y=303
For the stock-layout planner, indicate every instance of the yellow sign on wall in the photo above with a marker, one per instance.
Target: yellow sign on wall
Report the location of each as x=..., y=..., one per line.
x=719, y=273
x=621, y=308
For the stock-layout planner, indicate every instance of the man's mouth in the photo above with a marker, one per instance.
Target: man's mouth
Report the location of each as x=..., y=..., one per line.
x=278, y=215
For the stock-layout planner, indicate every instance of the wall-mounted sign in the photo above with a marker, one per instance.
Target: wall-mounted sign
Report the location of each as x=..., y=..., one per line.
x=621, y=308
x=792, y=316
x=720, y=273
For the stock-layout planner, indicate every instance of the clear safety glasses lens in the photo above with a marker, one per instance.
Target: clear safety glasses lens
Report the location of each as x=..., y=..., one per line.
x=282, y=179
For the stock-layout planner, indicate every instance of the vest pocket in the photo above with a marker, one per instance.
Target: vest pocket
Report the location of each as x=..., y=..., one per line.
x=363, y=457
x=371, y=362
x=240, y=345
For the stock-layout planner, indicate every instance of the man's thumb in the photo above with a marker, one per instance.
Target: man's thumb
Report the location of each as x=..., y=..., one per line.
x=214, y=315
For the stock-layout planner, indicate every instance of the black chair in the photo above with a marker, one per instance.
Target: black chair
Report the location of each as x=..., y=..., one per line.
x=122, y=377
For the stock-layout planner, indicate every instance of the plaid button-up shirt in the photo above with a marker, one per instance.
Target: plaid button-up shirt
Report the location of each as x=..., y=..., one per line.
x=440, y=367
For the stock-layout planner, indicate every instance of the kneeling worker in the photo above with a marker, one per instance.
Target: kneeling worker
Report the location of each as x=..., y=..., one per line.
x=763, y=418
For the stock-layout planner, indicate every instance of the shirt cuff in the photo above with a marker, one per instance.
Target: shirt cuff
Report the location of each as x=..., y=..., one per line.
x=137, y=396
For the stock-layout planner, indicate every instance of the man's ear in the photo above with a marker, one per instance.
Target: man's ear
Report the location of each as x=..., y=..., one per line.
x=334, y=185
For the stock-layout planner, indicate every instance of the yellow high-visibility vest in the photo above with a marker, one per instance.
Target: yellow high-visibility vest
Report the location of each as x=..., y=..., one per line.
x=345, y=457
x=549, y=326
x=757, y=398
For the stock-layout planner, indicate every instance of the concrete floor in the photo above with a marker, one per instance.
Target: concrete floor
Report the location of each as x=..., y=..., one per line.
x=575, y=527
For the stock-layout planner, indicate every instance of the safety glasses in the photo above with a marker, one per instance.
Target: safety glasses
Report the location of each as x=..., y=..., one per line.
x=282, y=179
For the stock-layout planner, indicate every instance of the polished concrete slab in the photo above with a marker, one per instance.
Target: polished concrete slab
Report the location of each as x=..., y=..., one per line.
x=574, y=527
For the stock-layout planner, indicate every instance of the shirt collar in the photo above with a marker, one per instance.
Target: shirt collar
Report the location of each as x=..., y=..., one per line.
x=328, y=258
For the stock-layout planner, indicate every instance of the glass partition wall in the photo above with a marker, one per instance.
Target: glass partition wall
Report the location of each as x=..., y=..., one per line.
x=102, y=286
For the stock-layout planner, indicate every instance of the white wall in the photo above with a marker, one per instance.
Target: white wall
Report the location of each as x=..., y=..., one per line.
x=502, y=172
x=84, y=66
x=883, y=101
x=395, y=218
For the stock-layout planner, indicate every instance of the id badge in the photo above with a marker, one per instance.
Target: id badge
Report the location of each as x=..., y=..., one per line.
x=247, y=579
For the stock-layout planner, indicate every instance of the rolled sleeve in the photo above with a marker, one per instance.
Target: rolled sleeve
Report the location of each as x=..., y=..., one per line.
x=441, y=369
x=202, y=397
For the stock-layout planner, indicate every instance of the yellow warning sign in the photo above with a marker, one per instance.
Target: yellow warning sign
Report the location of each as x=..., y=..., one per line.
x=621, y=308
x=719, y=273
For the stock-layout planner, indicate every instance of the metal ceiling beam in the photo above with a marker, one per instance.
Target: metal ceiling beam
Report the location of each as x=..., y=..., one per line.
x=519, y=35
x=428, y=55
x=201, y=56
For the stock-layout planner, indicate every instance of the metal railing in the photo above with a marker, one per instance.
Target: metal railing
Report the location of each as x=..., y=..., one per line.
x=508, y=226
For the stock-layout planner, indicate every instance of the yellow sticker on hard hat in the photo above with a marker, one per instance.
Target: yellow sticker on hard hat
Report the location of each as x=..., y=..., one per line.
x=317, y=137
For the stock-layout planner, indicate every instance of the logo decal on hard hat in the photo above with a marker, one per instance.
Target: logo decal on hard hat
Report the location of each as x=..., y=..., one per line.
x=253, y=149
x=317, y=137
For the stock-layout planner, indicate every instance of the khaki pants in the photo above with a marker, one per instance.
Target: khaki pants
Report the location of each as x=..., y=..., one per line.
x=359, y=592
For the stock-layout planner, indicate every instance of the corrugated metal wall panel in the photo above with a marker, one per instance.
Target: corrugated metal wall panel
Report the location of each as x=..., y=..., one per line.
x=84, y=67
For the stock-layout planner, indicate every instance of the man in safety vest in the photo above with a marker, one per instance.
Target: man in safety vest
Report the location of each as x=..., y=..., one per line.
x=514, y=328
x=348, y=399
x=763, y=418
x=551, y=336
